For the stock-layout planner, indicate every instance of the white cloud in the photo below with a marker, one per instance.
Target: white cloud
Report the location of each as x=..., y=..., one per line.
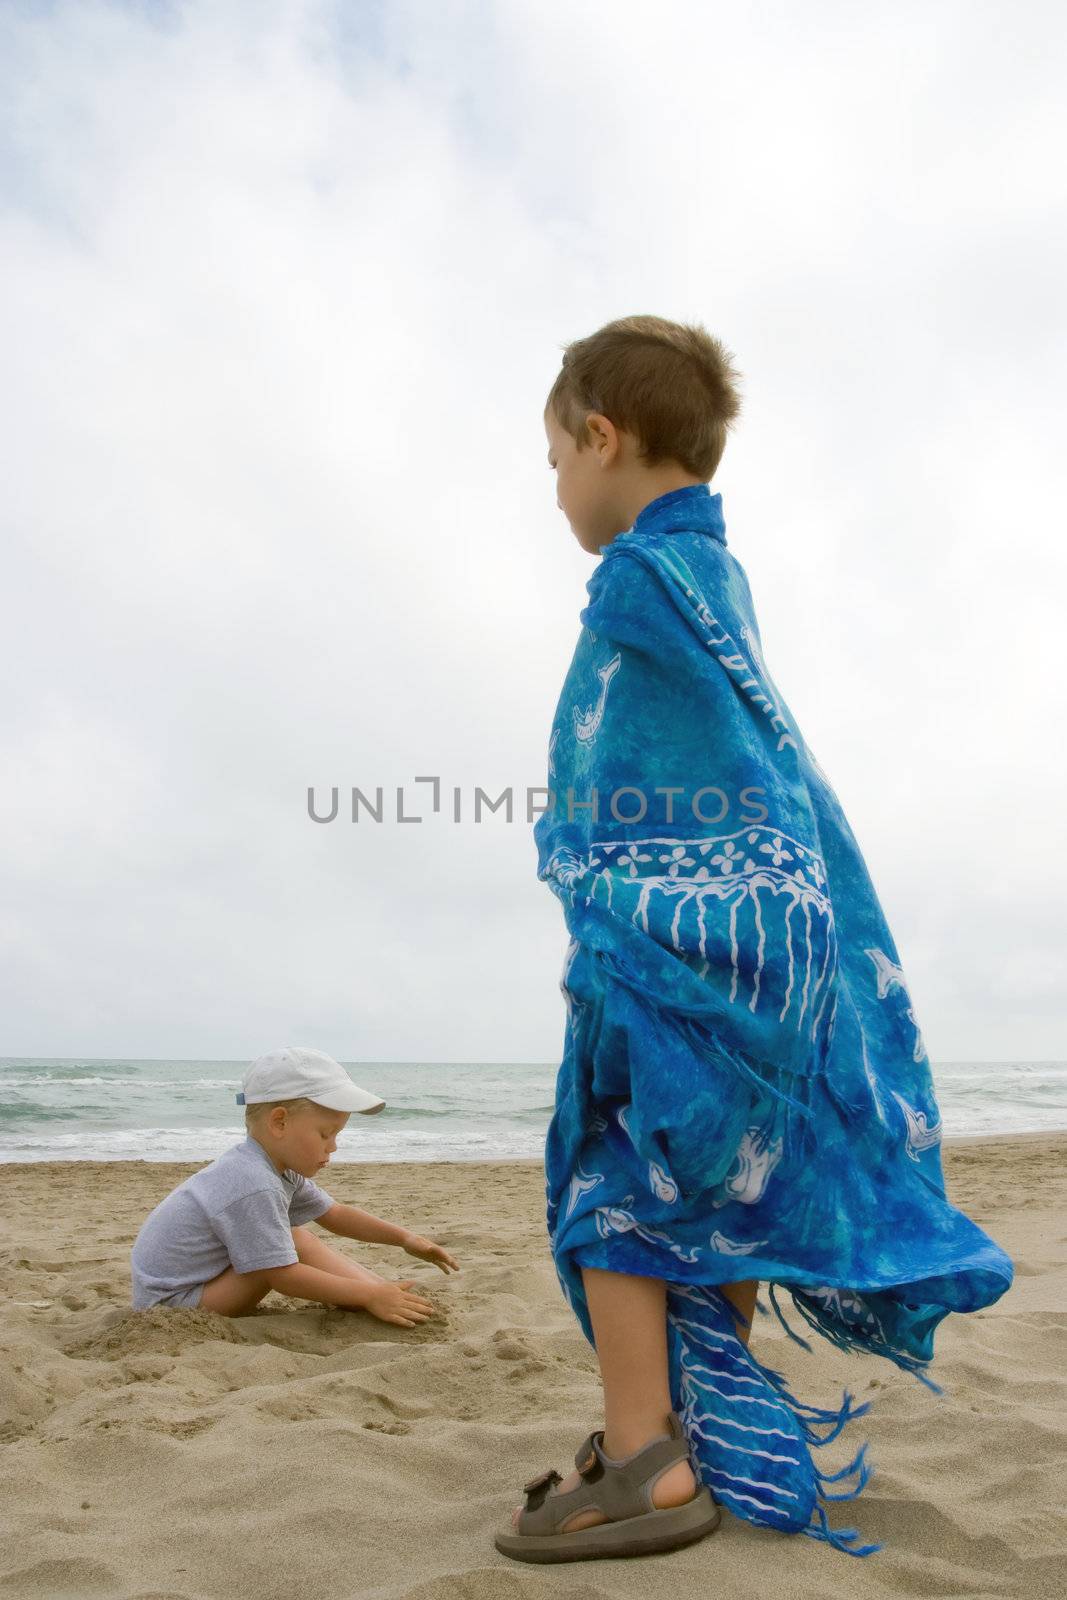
x=286, y=287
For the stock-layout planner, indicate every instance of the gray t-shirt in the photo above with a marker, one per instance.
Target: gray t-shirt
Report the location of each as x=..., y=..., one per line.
x=239, y=1211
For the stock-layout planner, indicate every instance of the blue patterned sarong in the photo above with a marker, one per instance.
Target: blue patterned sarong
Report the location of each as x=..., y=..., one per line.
x=744, y=1091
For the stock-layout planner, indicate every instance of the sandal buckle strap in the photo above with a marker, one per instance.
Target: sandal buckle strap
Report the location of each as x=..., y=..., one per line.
x=587, y=1459
x=619, y=1489
x=536, y=1489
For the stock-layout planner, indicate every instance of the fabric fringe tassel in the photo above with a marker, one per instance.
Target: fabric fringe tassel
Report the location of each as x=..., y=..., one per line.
x=863, y=1343
x=810, y=1418
x=773, y=1298
x=737, y=1441
x=859, y=1465
x=806, y=1417
x=839, y=1538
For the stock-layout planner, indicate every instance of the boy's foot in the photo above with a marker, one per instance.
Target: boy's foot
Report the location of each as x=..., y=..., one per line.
x=674, y=1487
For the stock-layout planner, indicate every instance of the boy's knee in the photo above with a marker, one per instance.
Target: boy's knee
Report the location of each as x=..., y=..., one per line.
x=233, y=1293
x=307, y=1245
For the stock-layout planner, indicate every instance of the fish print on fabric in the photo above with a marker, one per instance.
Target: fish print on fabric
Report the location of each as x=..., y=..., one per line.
x=744, y=1092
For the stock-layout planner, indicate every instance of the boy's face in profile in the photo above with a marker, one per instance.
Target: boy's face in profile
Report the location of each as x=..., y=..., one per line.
x=303, y=1139
x=583, y=492
x=602, y=488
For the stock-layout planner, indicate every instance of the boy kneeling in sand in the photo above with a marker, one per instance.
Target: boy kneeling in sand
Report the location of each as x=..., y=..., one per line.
x=235, y=1230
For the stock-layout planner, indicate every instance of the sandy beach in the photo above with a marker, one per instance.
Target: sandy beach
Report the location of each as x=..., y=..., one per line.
x=167, y=1453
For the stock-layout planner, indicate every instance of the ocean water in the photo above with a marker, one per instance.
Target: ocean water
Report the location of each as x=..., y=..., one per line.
x=103, y=1110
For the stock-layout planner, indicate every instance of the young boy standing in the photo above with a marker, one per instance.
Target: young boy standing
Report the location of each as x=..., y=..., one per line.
x=237, y=1228
x=744, y=1094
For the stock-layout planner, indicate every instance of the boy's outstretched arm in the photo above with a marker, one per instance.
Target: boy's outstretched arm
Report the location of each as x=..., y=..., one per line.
x=352, y=1223
x=389, y=1302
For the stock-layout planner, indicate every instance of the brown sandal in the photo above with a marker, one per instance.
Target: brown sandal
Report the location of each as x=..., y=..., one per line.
x=622, y=1490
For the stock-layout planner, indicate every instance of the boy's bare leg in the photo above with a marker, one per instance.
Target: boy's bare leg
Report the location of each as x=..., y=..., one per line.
x=743, y=1296
x=629, y=1319
x=235, y=1294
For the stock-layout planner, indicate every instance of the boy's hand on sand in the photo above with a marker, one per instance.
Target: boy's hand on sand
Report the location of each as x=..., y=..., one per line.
x=394, y=1302
x=426, y=1250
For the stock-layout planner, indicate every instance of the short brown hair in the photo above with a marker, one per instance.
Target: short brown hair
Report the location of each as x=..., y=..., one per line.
x=260, y=1108
x=671, y=384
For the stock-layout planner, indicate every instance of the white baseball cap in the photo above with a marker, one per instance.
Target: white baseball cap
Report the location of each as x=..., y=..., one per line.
x=296, y=1071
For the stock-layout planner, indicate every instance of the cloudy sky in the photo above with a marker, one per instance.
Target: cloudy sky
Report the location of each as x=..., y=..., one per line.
x=285, y=288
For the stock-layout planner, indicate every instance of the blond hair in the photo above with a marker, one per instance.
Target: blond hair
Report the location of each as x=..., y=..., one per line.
x=260, y=1108
x=670, y=384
